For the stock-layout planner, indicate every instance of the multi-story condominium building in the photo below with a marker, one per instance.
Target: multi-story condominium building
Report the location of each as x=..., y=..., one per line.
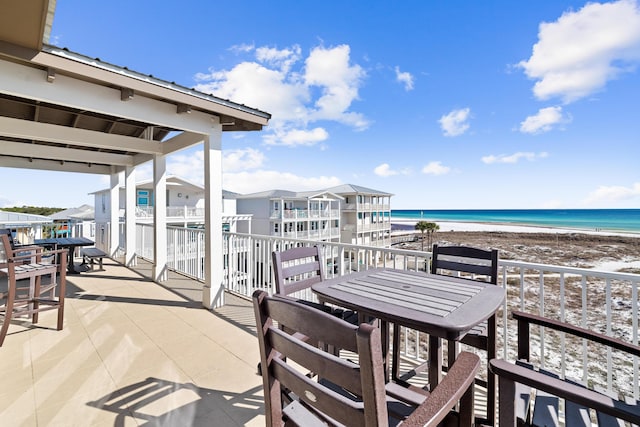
x=345, y=213
x=365, y=215
x=185, y=205
x=313, y=215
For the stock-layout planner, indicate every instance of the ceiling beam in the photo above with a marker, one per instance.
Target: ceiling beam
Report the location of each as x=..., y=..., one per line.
x=26, y=129
x=20, y=149
x=54, y=165
x=181, y=141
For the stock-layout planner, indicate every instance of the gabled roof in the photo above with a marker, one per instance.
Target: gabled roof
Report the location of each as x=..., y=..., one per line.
x=269, y=194
x=21, y=219
x=333, y=192
x=290, y=195
x=81, y=212
x=351, y=188
x=172, y=180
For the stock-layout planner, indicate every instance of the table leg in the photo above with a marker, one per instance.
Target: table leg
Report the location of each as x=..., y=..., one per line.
x=71, y=268
x=435, y=361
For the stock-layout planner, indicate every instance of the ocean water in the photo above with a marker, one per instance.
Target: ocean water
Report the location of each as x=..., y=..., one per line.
x=619, y=220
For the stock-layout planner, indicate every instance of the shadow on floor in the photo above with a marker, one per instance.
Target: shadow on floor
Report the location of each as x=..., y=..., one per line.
x=147, y=402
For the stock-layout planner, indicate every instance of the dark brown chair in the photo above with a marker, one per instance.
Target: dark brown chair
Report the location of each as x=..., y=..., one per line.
x=520, y=384
x=297, y=269
x=344, y=392
x=473, y=264
x=31, y=283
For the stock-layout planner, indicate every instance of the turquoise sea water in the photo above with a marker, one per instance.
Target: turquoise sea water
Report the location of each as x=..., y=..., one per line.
x=617, y=220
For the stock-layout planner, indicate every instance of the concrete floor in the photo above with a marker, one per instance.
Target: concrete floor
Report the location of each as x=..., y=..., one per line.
x=131, y=353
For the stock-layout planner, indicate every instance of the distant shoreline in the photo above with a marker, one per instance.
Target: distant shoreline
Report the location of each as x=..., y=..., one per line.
x=399, y=226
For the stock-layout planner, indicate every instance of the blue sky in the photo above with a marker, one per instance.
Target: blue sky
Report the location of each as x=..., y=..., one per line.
x=446, y=104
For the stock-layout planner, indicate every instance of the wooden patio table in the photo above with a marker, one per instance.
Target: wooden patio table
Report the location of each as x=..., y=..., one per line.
x=441, y=306
x=70, y=243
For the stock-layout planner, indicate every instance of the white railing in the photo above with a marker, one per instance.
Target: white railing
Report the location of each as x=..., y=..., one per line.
x=599, y=300
x=172, y=212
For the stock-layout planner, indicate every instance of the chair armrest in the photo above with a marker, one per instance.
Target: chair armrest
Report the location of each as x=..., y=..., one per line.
x=27, y=249
x=557, y=325
x=563, y=389
x=458, y=382
x=29, y=257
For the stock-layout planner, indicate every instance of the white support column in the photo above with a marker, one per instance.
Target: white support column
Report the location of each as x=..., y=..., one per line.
x=213, y=291
x=159, y=218
x=114, y=213
x=130, y=216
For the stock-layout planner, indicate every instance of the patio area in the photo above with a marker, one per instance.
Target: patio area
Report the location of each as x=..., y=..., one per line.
x=133, y=352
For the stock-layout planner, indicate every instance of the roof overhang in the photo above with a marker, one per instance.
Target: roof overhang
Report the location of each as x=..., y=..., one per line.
x=63, y=111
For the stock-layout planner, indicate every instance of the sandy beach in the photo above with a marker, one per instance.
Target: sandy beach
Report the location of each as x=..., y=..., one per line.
x=398, y=225
x=602, y=250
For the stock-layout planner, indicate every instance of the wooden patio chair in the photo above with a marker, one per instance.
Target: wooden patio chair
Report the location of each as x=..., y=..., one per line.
x=31, y=283
x=523, y=386
x=473, y=264
x=297, y=269
x=344, y=392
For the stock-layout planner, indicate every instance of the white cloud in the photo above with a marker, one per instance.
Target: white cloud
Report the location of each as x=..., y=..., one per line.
x=405, y=78
x=435, y=168
x=241, y=159
x=514, y=158
x=579, y=53
x=260, y=87
x=262, y=180
x=242, y=48
x=294, y=137
x=282, y=59
x=384, y=170
x=613, y=193
x=456, y=122
x=544, y=120
x=297, y=93
x=329, y=69
x=241, y=172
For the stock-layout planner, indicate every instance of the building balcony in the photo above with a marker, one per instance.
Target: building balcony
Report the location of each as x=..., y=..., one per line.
x=135, y=352
x=144, y=214
x=366, y=207
x=304, y=214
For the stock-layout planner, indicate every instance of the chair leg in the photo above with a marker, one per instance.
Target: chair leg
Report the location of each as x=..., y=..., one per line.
x=61, y=294
x=11, y=294
x=491, y=378
x=34, y=292
x=395, y=356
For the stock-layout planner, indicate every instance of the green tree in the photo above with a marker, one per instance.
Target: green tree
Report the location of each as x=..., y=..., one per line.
x=429, y=227
x=432, y=227
x=422, y=226
x=35, y=210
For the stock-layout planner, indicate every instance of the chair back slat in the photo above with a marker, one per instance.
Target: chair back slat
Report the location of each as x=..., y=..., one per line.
x=479, y=263
x=297, y=269
x=342, y=392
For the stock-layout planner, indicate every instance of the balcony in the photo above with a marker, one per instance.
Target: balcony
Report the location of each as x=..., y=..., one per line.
x=304, y=214
x=174, y=214
x=133, y=351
